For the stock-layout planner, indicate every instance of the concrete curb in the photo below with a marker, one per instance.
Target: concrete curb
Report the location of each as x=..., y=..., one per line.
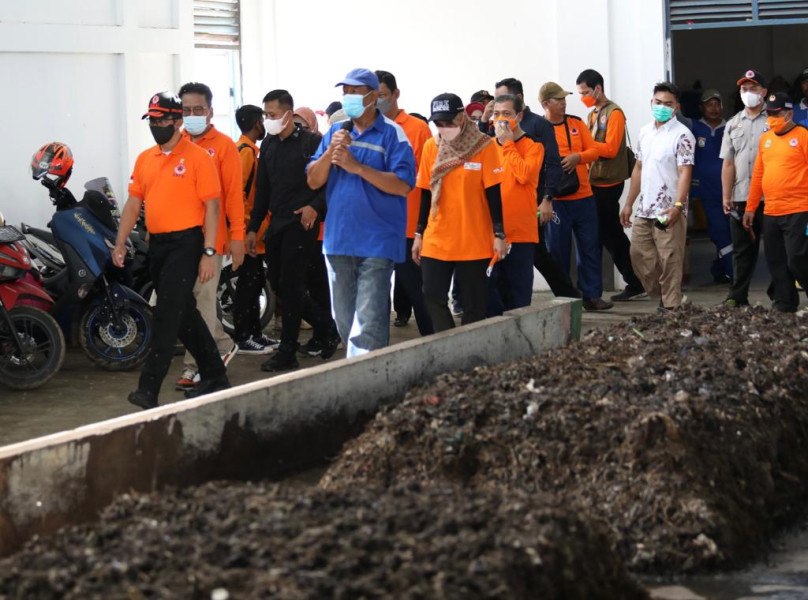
x=265, y=429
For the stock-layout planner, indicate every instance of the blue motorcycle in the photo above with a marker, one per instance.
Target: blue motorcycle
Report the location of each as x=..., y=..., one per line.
x=94, y=303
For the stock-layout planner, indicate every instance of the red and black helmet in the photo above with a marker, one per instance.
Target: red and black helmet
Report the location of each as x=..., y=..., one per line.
x=54, y=160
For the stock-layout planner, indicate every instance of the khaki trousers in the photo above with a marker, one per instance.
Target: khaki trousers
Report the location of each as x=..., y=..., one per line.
x=658, y=259
x=205, y=295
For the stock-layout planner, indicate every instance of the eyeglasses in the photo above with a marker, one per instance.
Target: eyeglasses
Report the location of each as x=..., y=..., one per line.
x=197, y=111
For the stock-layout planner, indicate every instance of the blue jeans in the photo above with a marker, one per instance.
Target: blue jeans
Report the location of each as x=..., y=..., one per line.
x=360, y=301
x=511, y=283
x=577, y=218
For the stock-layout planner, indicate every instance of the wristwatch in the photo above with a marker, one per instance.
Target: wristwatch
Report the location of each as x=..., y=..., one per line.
x=210, y=251
x=500, y=235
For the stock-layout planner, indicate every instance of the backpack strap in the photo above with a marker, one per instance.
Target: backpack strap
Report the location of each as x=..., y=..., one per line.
x=248, y=185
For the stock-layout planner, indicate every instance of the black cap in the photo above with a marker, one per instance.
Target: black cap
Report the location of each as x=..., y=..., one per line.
x=445, y=107
x=779, y=101
x=164, y=104
x=482, y=97
x=333, y=107
x=803, y=75
x=754, y=77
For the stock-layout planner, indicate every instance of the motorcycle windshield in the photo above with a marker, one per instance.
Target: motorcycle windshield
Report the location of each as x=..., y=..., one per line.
x=103, y=186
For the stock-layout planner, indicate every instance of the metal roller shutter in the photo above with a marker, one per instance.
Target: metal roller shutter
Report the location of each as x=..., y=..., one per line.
x=694, y=14
x=216, y=24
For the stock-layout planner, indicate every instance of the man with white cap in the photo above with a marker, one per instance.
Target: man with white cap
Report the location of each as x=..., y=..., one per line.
x=368, y=168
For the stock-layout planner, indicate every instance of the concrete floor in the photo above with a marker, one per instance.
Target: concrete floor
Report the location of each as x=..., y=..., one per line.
x=81, y=393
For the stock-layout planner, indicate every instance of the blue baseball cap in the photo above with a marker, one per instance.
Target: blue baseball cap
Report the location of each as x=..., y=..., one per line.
x=360, y=77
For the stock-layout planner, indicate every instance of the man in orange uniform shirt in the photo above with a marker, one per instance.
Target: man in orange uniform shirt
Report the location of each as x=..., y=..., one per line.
x=197, y=111
x=781, y=175
x=177, y=183
x=574, y=211
x=408, y=274
x=511, y=283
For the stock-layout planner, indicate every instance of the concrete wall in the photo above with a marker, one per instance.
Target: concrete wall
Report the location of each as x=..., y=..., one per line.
x=266, y=429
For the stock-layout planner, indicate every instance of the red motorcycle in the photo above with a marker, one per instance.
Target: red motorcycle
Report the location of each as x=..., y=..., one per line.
x=32, y=347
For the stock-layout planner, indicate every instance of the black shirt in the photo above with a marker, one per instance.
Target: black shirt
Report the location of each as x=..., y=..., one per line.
x=280, y=182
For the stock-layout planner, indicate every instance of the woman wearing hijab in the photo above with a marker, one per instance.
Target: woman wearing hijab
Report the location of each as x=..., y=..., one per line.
x=460, y=224
x=306, y=119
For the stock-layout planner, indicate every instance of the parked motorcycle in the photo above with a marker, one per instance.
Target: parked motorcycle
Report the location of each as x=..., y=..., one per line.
x=226, y=293
x=32, y=347
x=110, y=321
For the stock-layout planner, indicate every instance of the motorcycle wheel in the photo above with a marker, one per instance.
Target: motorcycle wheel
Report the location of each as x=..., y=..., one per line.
x=116, y=350
x=44, y=348
x=225, y=295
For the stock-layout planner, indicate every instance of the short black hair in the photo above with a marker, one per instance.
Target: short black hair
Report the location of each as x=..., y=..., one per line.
x=591, y=78
x=247, y=116
x=518, y=103
x=333, y=107
x=419, y=116
x=667, y=86
x=283, y=97
x=514, y=85
x=388, y=79
x=194, y=87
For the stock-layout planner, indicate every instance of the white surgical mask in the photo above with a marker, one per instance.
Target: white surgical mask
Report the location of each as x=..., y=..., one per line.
x=195, y=125
x=273, y=126
x=449, y=133
x=750, y=99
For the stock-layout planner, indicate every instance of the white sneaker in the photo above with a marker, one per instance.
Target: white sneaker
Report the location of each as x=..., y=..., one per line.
x=228, y=356
x=187, y=380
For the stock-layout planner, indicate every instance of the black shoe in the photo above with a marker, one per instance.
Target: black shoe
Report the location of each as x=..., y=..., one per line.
x=311, y=348
x=208, y=386
x=597, y=304
x=723, y=279
x=329, y=346
x=143, y=399
x=281, y=361
x=629, y=294
x=401, y=322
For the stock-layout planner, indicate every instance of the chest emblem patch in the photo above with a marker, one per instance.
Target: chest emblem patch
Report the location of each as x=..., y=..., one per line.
x=180, y=169
x=574, y=130
x=702, y=142
x=767, y=144
x=472, y=166
x=603, y=119
x=793, y=142
x=211, y=151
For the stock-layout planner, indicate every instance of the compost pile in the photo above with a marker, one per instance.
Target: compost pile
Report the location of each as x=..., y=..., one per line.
x=222, y=541
x=685, y=432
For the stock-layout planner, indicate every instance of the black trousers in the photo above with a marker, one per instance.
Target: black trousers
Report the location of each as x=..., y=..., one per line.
x=786, y=243
x=246, y=302
x=612, y=235
x=290, y=253
x=401, y=301
x=558, y=281
x=744, y=253
x=174, y=266
x=473, y=284
x=318, y=280
x=409, y=279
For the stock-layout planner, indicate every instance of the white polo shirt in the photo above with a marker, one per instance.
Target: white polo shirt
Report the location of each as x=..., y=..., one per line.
x=662, y=151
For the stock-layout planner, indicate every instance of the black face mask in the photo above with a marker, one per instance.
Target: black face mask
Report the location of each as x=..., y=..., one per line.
x=263, y=133
x=162, y=135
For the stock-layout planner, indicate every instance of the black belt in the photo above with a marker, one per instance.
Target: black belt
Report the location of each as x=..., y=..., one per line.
x=173, y=236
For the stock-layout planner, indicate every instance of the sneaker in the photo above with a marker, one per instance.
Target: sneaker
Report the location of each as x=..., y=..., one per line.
x=228, y=356
x=329, y=346
x=629, y=294
x=400, y=322
x=208, y=386
x=187, y=380
x=265, y=340
x=722, y=279
x=281, y=361
x=311, y=348
x=143, y=399
x=597, y=304
x=457, y=310
x=252, y=346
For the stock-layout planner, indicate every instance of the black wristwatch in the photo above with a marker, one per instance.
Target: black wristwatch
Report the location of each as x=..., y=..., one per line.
x=210, y=251
x=500, y=235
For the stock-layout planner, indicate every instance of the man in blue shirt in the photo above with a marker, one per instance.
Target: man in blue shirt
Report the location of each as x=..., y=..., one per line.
x=706, y=186
x=801, y=107
x=368, y=168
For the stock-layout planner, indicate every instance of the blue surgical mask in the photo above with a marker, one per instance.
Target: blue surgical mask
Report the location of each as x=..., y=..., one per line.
x=662, y=113
x=195, y=125
x=353, y=105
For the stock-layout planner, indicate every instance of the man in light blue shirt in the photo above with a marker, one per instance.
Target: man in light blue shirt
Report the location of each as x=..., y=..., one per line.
x=368, y=168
